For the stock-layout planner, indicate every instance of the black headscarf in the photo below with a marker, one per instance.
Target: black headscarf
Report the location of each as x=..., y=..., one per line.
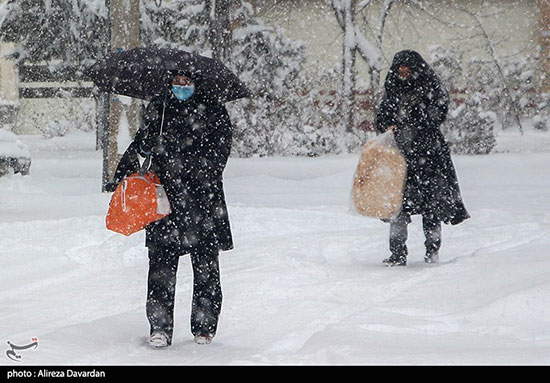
x=421, y=73
x=422, y=83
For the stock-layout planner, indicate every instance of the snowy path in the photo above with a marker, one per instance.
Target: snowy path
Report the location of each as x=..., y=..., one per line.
x=305, y=283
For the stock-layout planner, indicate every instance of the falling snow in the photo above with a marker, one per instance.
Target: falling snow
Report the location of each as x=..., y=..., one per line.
x=268, y=179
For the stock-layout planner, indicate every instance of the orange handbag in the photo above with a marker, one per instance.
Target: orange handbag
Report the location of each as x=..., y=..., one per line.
x=136, y=202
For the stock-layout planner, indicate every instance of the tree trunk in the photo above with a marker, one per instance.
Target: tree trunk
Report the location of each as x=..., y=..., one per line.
x=544, y=41
x=125, y=34
x=348, y=63
x=220, y=32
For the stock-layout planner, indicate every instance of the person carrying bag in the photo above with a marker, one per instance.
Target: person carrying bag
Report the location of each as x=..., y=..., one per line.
x=414, y=106
x=188, y=138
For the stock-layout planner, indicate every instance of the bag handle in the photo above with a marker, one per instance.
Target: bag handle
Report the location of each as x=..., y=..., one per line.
x=145, y=166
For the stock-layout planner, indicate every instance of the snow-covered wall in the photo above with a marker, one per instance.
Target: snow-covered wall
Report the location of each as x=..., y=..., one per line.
x=511, y=25
x=8, y=76
x=54, y=116
x=8, y=89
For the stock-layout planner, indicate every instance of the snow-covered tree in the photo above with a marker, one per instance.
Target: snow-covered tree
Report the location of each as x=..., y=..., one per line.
x=67, y=34
x=521, y=80
x=354, y=42
x=261, y=55
x=175, y=24
x=469, y=129
x=470, y=124
x=270, y=64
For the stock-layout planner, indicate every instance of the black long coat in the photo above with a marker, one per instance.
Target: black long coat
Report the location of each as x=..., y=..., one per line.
x=418, y=106
x=189, y=157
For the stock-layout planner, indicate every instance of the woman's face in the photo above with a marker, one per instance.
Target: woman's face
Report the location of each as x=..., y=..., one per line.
x=182, y=87
x=404, y=72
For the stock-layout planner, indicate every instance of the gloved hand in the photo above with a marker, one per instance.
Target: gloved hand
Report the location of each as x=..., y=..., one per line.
x=144, y=151
x=110, y=187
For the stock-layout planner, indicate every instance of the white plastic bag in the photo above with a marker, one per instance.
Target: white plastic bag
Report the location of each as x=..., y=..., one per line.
x=163, y=204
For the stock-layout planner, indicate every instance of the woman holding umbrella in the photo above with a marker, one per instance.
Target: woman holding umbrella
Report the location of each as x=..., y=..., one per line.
x=189, y=140
x=414, y=106
x=187, y=136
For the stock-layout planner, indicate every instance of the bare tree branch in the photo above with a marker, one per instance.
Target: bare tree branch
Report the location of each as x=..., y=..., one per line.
x=337, y=7
x=491, y=50
x=383, y=16
x=362, y=5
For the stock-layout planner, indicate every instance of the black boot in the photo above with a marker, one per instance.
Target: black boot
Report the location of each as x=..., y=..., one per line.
x=432, y=232
x=398, y=239
x=394, y=260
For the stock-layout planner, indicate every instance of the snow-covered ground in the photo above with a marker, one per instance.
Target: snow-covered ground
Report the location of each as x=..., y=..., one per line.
x=305, y=283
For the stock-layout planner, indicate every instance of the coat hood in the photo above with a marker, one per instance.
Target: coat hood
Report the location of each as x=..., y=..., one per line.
x=421, y=71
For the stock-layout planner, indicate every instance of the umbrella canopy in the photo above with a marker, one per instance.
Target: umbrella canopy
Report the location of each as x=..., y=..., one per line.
x=147, y=73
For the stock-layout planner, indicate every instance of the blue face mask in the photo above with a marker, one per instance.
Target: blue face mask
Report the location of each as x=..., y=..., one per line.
x=182, y=92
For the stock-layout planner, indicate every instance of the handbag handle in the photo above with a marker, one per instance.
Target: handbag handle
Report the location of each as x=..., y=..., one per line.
x=145, y=166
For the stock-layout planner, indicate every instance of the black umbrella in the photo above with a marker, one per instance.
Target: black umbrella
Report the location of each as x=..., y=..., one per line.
x=146, y=73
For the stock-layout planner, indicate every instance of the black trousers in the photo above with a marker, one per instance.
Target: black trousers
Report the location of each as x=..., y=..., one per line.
x=399, y=235
x=161, y=289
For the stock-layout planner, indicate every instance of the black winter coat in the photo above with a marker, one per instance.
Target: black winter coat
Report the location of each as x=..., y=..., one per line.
x=418, y=106
x=189, y=157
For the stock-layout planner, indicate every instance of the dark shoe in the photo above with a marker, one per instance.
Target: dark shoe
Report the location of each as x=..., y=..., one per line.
x=395, y=261
x=431, y=257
